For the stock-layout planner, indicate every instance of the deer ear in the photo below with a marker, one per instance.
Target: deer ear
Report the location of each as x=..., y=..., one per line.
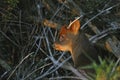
x=75, y=26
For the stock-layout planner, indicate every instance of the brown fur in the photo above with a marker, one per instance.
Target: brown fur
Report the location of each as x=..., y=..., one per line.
x=70, y=39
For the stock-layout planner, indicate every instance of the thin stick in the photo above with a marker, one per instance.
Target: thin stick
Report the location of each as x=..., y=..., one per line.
x=19, y=65
x=73, y=22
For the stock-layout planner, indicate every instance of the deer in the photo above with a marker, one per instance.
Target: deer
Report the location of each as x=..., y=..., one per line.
x=72, y=39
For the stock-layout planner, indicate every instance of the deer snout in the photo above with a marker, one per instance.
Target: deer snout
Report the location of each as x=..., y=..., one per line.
x=56, y=46
x=61, y=47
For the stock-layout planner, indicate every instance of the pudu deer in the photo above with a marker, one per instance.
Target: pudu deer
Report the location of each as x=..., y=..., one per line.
x=72, y=40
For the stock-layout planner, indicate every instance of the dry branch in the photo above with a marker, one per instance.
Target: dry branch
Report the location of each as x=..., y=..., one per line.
x=51, y=24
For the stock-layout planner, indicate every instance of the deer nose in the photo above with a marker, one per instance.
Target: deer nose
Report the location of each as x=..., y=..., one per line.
x=56, y=46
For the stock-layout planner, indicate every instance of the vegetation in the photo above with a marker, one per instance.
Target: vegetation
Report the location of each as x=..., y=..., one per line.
x=26, y=51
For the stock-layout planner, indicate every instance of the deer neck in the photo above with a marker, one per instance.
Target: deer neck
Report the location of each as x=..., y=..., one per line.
x=80, y=46
x=79, y=43
x=76, y=48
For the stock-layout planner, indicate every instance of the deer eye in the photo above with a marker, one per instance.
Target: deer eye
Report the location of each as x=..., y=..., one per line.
x=62, y=38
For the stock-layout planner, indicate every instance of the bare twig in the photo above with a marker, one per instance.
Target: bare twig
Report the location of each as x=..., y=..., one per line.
x=19, y=65
x=73, y=22
x=103, y=34
x=115, y=66
x=83, y=26
x=9, y=39
x=51, y=24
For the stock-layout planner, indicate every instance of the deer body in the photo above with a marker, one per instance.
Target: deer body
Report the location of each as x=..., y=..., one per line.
x=70, y=39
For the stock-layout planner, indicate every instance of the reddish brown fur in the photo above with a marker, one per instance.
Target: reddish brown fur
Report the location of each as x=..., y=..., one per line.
x=70, y=39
